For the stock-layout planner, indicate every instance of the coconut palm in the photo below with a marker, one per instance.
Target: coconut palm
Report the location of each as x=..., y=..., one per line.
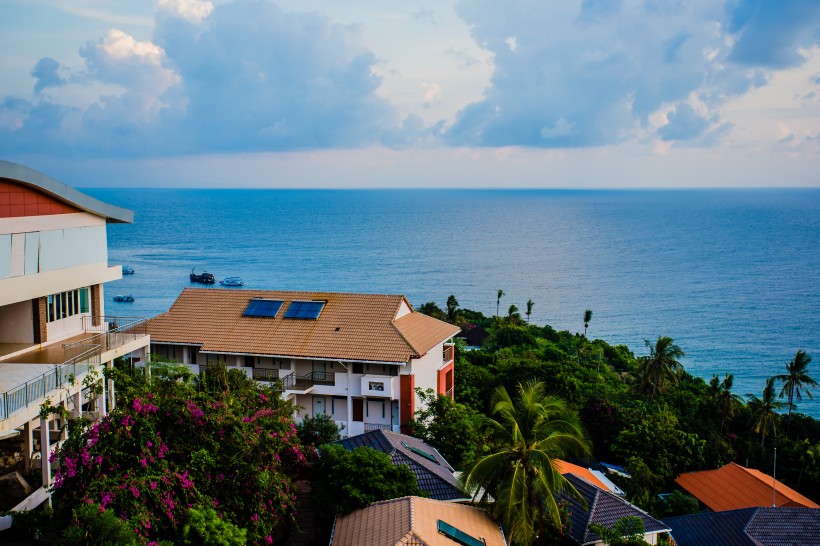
x=452, y=308
x=513, y=315
x=725, y=400
x=530, y=305
x=661, y=364
x=498, y=301
x=532, y=431
x=795, y=380
x=765, y=410
x=587, y=318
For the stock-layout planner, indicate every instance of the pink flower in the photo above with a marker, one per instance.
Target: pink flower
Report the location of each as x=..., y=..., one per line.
x=255, y=518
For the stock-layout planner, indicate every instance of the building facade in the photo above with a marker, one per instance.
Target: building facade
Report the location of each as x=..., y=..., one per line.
x=355, y=357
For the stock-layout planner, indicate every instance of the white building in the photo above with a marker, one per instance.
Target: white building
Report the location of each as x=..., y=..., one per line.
x=53, y=264
x=356, y=357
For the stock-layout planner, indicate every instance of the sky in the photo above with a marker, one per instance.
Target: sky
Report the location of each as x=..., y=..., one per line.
x=407, y=93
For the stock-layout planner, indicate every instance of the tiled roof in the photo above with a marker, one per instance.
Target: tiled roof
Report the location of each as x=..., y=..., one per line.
x=434, y=478
x=350, y=326
x=602, y=507
x=732, y=487
x=569, y=468
x=748, y=527
x=412, y=521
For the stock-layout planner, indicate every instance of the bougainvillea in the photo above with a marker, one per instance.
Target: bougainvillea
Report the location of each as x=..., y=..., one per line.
x=175, y=445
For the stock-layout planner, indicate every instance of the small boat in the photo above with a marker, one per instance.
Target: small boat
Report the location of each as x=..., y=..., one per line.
x=127, y=270
x=232, y=281
x=124, y=298
x=204, y=277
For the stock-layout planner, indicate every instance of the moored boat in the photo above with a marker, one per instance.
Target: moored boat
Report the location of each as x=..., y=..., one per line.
x=232, y=281
x=124, y=298
x=203, y=278
x=127, y=270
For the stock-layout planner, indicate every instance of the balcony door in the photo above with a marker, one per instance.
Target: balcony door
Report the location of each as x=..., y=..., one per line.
x=319, y=369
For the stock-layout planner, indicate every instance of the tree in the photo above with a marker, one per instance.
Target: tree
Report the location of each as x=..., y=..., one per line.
x=513, y=315
x=765, y=410
x=530, y=305
x=317, y=431
x=498, y=301
x=348, y=480
x=795, y=380
x=724, y=399
x=587, y=318
x=661, y=364
x=452, y=308
x=627, y=531
x=432, y=310
x=531, y=431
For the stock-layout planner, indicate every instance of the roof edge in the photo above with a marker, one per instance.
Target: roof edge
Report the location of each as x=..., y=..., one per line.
x=55, y=188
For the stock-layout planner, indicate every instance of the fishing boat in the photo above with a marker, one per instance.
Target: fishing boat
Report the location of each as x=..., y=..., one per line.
x=124, y=298
x=127, y=270
x=232, y=281
x=203, y=278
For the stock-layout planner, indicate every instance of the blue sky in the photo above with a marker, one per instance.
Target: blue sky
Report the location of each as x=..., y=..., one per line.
x=399, y=93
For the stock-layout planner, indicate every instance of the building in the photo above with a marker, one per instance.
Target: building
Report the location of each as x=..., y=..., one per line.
x=604, y=508
x=416, y=521
x=748, y=527
x=355, y=357
x=53, y=265
x=434, y=474
x=732, y=487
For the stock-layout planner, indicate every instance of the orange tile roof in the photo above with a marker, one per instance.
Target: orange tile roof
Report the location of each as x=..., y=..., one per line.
x=413, y=521
x=733, y=486
x=569, y=468
x=350, y=326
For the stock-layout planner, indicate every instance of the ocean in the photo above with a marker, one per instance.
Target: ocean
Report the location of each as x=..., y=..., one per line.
x=731, y=275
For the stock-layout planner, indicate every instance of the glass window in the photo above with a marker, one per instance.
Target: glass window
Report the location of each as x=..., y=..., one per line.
x=84, y=300
x=50, y=308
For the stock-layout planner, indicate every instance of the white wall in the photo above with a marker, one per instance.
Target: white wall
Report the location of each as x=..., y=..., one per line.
x=17, y=323
x=425, y=370
x=67, y=327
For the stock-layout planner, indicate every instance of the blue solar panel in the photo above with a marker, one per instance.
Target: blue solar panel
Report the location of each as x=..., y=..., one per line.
x=304, y=309
x=458, y=535
x=262, y=308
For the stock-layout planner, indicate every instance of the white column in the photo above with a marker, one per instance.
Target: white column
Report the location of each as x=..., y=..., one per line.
x=45, y=451
x=77, y=402
x=349, y=399
x=63, y=424
x=28, y=445
x=111, y=396
x=101, y=406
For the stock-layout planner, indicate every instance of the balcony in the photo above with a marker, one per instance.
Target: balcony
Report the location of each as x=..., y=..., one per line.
x=449, y=353
x=380, y=386
x=265, y=374
x=305, y=383
x=51, y=368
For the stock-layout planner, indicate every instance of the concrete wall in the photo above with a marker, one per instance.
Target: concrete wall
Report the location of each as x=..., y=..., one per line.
x=425, y=369
x=16, y=324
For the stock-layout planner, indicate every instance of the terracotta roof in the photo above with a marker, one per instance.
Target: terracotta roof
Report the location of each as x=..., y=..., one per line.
x=569, y=468
x=413, y=521
x=350, y=326
x=733, y=486
x=604, y=508
x=748, y=527
x=434, y=478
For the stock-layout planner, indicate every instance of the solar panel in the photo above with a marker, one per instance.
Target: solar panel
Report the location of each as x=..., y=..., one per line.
x=458, y=535
x=418, y=451
x=262, y=308
x=304, y=309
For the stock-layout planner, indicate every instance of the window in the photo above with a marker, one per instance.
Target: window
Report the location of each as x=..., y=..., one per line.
x=375, y=386
x=50, y=308
x=83, y=300
x=66, y=304
x=262, y=308
x=308, y=310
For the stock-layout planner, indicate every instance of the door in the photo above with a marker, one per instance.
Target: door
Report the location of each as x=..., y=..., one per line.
x=318, y=405
x=319, y=369
x=358, y=410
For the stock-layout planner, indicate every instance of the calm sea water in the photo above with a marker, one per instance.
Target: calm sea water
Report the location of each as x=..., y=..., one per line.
x=732, y=276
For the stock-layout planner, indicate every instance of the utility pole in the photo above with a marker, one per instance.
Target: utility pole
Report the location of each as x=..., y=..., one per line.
x=774, y=477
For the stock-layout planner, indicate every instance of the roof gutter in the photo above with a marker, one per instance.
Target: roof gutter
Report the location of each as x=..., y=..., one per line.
x=340, y=360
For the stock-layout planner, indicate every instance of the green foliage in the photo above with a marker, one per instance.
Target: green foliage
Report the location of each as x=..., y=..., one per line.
x=206, y=528
x=627, y=531
x=348, y=480
x=509, y=334
x=450, y=427
x=432, y=310
x=677, y=504
x=95, y=526
x=316, y=431
x=30, y=526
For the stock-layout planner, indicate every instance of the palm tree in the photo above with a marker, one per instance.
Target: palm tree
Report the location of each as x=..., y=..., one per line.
x=530, y=305
x=452, y=308
x=796, y=379
x=498, y=302
x=512, y=315
x=765, y=410
x=725, y=400
x=532, y=431
x=587, y=318
x=661, y=364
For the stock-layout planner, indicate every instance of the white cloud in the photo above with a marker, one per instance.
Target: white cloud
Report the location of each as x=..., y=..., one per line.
x=194, y=11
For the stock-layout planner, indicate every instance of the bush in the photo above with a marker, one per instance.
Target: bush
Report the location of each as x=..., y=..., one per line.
x=206, y=528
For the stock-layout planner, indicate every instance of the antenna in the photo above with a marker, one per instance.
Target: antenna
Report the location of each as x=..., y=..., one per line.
x=774, y=477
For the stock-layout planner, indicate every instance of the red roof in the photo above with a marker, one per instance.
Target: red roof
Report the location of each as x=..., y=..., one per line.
x=732, y=487
x=584, y=473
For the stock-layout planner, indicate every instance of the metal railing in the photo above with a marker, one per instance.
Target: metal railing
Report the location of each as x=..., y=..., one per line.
x=448, y=353
x=376, y=426
x=78, y=359
x=265, y=374
x=303, y=382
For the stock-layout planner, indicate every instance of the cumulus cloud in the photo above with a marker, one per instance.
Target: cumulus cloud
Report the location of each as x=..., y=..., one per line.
x=592, y=72
x=46, y=73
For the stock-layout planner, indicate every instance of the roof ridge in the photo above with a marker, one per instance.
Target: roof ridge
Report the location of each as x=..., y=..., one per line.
x=591, y=512
x=401, y=335
x=748, y=523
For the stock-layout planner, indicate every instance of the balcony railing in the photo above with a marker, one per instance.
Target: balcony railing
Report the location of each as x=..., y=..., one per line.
x=78, y=359
x=376, y=426
x=448, y=353
x=293, y=382
x=265, y=374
